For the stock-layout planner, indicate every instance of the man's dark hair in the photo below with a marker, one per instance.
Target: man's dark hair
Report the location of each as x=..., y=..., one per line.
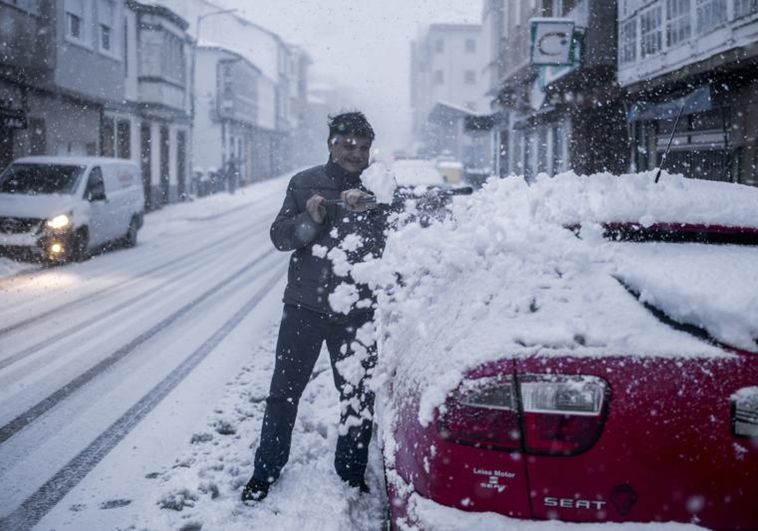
x=350, y=123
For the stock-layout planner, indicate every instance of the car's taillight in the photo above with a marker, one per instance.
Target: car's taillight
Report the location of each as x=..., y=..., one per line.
x=559, y=415
x=563, y=415
x=482, y=413
x=745, y=412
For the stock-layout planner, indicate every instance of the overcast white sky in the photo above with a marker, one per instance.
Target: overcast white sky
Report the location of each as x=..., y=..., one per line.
x=364, y=44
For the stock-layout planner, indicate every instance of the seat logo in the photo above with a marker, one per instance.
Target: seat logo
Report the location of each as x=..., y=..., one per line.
x=571, y=503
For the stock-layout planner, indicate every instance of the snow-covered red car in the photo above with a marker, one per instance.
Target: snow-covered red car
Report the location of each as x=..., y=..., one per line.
x=582, y=349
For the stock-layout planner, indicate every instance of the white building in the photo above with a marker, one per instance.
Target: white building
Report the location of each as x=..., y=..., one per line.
x=235, y=119
x=151, y=124
x=449, y=82
x=285, y=65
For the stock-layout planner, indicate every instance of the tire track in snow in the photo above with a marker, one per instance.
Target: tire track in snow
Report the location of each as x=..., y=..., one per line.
x=31, y=274
x=36, y=506
x=119, y=307
x=125, y=284
x=33, y=413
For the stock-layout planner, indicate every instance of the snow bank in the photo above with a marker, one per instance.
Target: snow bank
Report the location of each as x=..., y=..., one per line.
x=503, y=275
x=441, y=518
x=569, y=199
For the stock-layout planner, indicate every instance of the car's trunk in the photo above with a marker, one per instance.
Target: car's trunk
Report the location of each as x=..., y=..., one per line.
x=666, y=451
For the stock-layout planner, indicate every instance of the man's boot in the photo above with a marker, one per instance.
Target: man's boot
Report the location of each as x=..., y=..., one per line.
x=359, y=484
x=255, y=490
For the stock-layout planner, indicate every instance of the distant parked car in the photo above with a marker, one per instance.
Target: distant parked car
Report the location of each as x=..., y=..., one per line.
x=421, y=179
x=451, y=169
x=582, y=349
x=61, y=208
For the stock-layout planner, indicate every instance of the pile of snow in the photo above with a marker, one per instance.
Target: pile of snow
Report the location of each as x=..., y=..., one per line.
x=636, y=198
x=201, y=489
x=503, y=275
x=713, y=287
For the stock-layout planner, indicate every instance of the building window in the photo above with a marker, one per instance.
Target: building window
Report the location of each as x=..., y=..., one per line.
x=628, y=42
x=172, y=59
x=439, y=46
x=107, y=138
x=106, y=12
x=74, y=26
x=742, y=8
x=557, y=148
x=124, y=145
x=126, y=48
x=105, y=38
x=679, y=24
x=628, y=7
x=30, y=6
x=38, y=137
x=650, y=31
x=469, y=76
x=470, y=46
x=76, y=20
x=439, y=77
x=710, y=14
x=542, y=150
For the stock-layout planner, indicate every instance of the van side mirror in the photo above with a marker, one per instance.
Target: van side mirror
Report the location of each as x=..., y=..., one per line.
x=96, y=192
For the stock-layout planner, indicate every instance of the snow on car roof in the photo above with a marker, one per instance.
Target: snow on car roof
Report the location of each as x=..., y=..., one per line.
x=636, y=198
x=504, y=277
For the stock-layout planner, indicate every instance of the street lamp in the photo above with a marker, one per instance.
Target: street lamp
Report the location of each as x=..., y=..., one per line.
x=200, y=19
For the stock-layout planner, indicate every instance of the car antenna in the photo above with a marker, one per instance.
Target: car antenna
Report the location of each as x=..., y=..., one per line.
x=671, y=139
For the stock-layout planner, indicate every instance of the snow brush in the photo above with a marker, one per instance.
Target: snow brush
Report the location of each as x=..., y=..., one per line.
x=403, y=194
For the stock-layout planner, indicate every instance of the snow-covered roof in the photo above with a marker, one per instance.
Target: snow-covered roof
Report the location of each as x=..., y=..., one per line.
x=72, y=161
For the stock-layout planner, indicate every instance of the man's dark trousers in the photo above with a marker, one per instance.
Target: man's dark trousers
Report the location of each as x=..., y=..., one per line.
x=301, y=334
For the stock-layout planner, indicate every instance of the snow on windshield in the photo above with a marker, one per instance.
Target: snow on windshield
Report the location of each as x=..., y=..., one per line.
x=710, y=286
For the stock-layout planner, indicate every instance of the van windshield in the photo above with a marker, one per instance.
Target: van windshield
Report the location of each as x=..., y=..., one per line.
x=40, y=179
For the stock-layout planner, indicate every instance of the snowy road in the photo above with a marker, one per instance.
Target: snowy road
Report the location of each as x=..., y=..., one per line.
x=93, y=351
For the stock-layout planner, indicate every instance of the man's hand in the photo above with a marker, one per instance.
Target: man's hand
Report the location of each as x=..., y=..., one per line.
x=315, y=207
x=352, y=200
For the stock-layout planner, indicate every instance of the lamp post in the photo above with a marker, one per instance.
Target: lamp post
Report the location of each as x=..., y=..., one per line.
x=200, y=19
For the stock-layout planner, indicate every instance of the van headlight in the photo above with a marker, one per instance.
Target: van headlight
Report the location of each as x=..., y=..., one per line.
x=59, y=222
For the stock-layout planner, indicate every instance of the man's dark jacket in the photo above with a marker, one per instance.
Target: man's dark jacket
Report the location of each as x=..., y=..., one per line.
x=311, y=278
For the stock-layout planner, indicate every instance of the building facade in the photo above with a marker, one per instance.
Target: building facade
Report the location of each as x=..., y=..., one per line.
x=97, y=77
x=553, y=118
x=60, y=64
x=698, y=58
x=283, y=72
x=235, y=121
x=449, y=82
x=150, y=125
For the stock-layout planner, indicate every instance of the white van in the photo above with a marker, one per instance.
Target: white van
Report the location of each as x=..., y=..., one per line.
x=63, y=207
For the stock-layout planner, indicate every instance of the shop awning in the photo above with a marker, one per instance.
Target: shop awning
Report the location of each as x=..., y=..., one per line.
x=698, y=100
x=483, y=122
x=443, y=113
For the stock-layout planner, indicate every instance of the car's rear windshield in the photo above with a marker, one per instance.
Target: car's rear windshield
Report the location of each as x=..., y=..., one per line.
x=40, y=179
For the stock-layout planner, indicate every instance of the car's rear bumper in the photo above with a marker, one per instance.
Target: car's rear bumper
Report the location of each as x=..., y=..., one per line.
x=417, y=513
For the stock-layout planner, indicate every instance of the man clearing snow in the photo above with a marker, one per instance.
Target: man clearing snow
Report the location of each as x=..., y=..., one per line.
x=326, y=240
